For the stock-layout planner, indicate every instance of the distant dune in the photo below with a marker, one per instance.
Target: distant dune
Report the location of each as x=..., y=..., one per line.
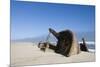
x=27, y=53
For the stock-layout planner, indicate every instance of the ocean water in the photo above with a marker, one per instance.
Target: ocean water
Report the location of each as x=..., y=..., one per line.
x=91, y=46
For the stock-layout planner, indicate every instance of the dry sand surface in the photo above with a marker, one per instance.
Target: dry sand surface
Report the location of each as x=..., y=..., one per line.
x=30, y=54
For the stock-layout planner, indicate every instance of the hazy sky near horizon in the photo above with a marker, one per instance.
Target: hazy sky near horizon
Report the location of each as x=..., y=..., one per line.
x=32, y=19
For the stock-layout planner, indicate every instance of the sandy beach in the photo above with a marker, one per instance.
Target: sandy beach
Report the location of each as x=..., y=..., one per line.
x=29, y=54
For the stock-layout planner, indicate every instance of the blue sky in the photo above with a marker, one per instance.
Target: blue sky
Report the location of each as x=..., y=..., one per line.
x=32, y=19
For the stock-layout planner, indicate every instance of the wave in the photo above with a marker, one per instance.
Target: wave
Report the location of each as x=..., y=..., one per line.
x=92, y=50
x=88, y=42
x=90, y=45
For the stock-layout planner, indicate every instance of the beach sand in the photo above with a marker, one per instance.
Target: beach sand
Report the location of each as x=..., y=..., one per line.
x=24, y=53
